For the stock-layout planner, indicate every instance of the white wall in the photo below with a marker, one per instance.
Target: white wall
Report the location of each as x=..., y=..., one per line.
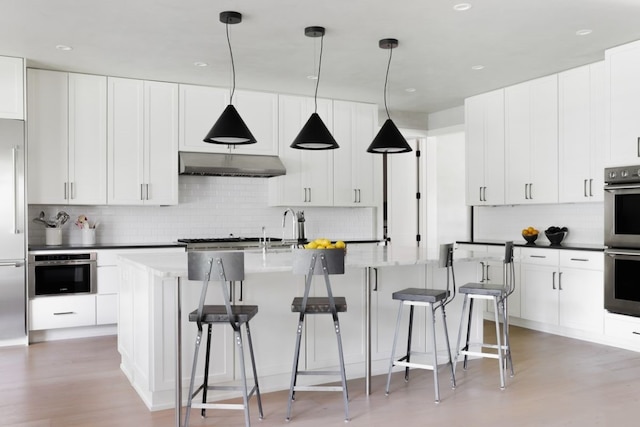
x=209, y=207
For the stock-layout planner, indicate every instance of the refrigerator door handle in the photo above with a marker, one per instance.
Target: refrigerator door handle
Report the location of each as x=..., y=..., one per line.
x=14, y=152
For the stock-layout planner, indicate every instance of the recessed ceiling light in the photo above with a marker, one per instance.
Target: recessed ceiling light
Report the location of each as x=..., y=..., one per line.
x=312, y=77
x=63, y=47
x=410, y=89
x=200, y=64
x=477, y=67
x=461, y=7
x=583, y=32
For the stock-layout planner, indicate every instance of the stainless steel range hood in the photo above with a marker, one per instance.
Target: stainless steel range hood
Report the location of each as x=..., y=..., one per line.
x=244, y=165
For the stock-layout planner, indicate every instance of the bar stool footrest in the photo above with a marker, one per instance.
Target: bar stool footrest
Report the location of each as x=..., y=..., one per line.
x=318, y=388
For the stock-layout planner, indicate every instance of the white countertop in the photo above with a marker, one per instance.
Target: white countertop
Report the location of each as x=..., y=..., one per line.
x=280, y=260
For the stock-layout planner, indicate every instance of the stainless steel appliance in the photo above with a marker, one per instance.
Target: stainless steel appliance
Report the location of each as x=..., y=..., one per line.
x=62, y=273
x=622, y=238
x=229, y=242
x=13, y=325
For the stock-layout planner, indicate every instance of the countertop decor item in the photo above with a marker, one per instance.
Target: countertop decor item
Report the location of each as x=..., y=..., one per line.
x=530, y=234
x=389, y=139
x=556, y=234
x=314, y=134
x=230, y=129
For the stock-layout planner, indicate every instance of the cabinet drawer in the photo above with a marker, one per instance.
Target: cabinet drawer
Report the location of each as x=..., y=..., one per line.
x=622, y=327
x=582, y=259
x=539, y=256
x=62, y=312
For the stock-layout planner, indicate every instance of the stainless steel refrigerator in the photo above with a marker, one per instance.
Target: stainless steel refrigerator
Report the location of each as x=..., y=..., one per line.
x=13, y=295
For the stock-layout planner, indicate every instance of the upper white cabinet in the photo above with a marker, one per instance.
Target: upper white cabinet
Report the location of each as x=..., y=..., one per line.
x=531, y=124
x=142, y=142
x=581, y=134
x=67, y=136
x=309, y=178
x=622, y=102
x=354, y=125
x=484, y=126
x=11, y=88
x=200, y=107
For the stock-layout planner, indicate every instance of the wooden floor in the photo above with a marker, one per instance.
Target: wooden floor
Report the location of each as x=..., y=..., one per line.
x=558, y=382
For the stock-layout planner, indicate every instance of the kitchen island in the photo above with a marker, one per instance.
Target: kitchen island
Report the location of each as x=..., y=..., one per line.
x=148, y=324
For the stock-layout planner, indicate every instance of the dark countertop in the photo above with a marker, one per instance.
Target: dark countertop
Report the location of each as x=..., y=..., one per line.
x=567, y=246
x=79, y=246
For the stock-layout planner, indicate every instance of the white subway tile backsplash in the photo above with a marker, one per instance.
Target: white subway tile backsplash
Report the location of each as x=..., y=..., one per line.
x=208, y=207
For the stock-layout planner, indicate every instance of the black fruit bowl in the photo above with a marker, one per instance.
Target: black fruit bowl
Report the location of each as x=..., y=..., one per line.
x=530, y=238
x=555, y=238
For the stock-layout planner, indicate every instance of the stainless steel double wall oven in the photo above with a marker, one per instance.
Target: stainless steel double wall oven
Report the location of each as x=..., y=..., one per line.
x=622, y=239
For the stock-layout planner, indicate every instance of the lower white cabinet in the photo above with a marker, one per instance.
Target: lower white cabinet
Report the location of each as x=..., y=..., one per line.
x=62, y=312
x=563, y=288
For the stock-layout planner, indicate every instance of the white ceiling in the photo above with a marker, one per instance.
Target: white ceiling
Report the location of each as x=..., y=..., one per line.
x=515, y=40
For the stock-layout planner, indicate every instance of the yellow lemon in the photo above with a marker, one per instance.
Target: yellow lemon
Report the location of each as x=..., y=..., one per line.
x=331, y=246
x=340, y=244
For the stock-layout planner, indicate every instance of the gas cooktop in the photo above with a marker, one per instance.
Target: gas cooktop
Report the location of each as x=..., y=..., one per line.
x=226, y=242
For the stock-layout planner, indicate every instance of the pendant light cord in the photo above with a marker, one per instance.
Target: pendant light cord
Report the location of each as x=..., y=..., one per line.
x=315, y=96
x=233, y=67
x=386, y=79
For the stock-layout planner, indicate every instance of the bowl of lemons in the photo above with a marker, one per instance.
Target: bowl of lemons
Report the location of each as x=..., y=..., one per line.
x=530, y=234
x=325, y=244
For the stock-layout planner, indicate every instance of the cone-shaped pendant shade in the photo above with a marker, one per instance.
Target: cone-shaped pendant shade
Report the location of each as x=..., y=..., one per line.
x=389, y=140
x=230, y=129
x=314, y=136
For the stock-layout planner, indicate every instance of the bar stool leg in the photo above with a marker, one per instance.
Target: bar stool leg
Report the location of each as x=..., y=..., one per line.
x=458, y=348
x=505, y=330
x=193, y=377
x=499, y=343
x=203, y=412
x=469, y=322
x=345, y=392
x=446, y=337
x=436, y=384
x=393, y=348
x=243, y=374
x=255, y=372
x=408, y=354
x=294, y=371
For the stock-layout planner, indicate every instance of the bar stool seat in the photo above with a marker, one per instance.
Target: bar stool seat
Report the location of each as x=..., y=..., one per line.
x=309, y=263
x=227, y=267
x=432, y=299
x=498, y=295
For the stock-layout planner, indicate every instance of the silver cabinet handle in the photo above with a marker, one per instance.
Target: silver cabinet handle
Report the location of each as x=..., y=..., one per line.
x=480, y=194
x=359, y=196
x=579, y=259
x=591, y=187
x=482, y=266
x=526, y=196
x=585, y=188
x=65, y=191
x=241, y=290
x=355, y=196
x=484, y=194
x=553, y=280
x=488, y=278
x=560, y=281
x=375, y=287
x=10, y=264
x=147, y=196
x=72, y=193
x=309, y=194
x=531, y=191
x=537, y=256
x=62, y=313
x=638, y=146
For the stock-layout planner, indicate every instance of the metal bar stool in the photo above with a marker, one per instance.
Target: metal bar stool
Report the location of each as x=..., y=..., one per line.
x=432, y=299
x=310, y=263
x=498, y=294
x=227, y=267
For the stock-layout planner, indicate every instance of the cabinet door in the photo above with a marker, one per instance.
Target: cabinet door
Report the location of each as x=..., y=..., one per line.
x=259, y=111
x=474, y=115
x=87, y=139
x=353, y=125
x=11, y=88
x=309, y=178
x=125, y=148
x=161, y=143
x=623, y=104
x=598, y=131
x=200, y=107
x=539, y=293
x=48, y=136
x=581, y=300
x=517, y=144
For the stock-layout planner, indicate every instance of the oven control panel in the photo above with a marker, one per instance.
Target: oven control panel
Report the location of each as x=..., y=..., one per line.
x=622, y=175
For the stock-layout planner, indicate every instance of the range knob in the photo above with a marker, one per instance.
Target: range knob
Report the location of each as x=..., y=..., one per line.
x=612, y=174
x=624, y=174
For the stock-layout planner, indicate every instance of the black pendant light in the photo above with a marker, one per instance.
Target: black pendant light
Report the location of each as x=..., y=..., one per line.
x=389, y=139
x=314, y=134
x=230, y=129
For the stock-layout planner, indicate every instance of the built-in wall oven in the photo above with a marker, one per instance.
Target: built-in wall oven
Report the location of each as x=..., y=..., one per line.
x=622, y=240
x=62, y=273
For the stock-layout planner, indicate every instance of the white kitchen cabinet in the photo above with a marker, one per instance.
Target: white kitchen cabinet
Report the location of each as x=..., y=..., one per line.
x=622, y=104
x=581, y=134
x=11, y=88
x=67, y=138
x=484, y=127
x=62, y=312
x=201, y=106
x=354, y=125
x=142, y=142
x=563, y=288
x=531, y=141
x=309, y=178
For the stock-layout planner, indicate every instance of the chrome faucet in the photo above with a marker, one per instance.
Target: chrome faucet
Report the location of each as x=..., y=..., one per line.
x=284, y=220
x=297, y=232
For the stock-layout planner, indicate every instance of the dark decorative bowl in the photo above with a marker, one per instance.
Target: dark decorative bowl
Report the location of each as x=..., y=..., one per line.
x=555, y=238
x=530, y=238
